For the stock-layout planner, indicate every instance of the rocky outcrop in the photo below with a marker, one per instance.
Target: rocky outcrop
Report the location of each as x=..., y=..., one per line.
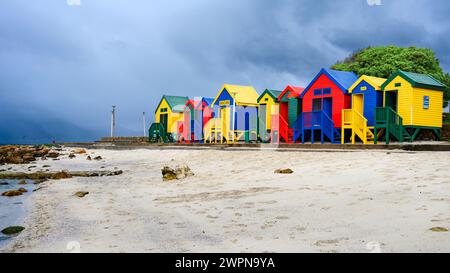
x=176, y=174
x=24, y=154
x=43, y=176
x=61, y=175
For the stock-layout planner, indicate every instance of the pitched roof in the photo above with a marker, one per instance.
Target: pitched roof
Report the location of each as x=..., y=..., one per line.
x=373, y=81
x=199, y=104
x=417, y=80
x=273, y=93
x=343, y=79
x=296, y=91
x=176, y=103
x=242, y=95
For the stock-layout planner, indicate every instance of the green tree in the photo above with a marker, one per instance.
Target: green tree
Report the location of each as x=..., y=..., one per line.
x=382, y=61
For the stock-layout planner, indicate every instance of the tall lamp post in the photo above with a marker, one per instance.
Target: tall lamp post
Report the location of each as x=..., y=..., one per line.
x=234, y=113
x=144, y=123
x=113, y=120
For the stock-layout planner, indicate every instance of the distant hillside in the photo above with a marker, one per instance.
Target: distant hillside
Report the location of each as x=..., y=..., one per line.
x=22, y=124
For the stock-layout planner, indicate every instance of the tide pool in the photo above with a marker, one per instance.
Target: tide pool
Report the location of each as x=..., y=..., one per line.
x=12, y=209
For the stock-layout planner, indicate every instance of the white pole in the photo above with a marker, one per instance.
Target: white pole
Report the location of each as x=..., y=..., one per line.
x=234, y=112
x=113, y=120
x=144, y=123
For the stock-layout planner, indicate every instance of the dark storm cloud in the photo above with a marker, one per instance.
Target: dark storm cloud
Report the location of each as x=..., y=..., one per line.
x=73, y=62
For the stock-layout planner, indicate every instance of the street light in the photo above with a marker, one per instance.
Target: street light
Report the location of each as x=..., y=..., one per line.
x=113, y=120
x=234, y=113
x=144, y=123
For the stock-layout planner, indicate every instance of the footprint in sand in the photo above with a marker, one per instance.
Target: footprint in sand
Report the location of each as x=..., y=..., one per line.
x=268, y=202
x=329, y=242
x=281, y=217
x=201, y=212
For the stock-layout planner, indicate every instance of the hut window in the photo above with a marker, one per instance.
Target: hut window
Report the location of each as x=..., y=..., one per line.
x=317, y=92
x=426, y=102
x=398, y=84
x=163, y=110
x=327, y=91
x=363, y=88
x=266, y=99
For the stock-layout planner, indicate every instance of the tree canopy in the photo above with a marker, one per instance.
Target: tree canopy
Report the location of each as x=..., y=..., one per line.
x=382, y=61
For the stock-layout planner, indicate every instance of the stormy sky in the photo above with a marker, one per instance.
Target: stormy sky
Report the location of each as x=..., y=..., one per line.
x=62, y=65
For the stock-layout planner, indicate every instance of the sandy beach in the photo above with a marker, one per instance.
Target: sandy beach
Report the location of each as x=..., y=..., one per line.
x=359, y=201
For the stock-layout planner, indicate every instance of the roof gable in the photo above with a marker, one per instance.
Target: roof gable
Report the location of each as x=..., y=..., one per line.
x=176, y=103
x=375, y=82
x=242, y=95
x=295, y=91
x=204, y=102
x=343, y=79
x=417, y=80
x=272, y=93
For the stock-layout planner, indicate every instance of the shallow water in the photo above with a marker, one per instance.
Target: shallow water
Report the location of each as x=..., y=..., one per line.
x=12, y=209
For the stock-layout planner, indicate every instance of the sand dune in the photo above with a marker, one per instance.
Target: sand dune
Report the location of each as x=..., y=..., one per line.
x=357, y=201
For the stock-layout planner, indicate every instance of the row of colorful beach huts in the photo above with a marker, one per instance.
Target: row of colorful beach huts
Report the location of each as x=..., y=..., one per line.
x=336, y=107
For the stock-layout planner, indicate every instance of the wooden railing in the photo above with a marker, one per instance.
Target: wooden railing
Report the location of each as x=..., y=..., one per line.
x=156, y=132
x=281, y=127
x=352, y=119
x=391, y=121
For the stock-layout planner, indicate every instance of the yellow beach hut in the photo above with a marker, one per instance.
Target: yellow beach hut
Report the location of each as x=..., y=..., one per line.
x=268, y=106
x=412, y=103
x=169, y=116
x=235, y=110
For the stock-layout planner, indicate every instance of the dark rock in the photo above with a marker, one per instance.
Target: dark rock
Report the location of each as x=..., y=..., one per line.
x=284, y=171
x=98, y=158
x=46, y=166
x=12, y=230
x=61, y=175
x=71, y=156
x=22, y=182
x=88, y=157
x=3, y=183
x=22, y=190
x=439, y=229
x=81, y=194
x=12, y=193
x=168, y=174
x=53, y=154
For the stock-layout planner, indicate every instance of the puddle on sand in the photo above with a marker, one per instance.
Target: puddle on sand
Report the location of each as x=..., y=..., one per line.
x=12, y=209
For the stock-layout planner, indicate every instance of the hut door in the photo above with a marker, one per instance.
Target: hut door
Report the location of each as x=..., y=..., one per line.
x=358, y=103
x=391, y=100
x=263, y=116
x=225, y=117
x=187, y=124
x=163, y=120
x=328, y=106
